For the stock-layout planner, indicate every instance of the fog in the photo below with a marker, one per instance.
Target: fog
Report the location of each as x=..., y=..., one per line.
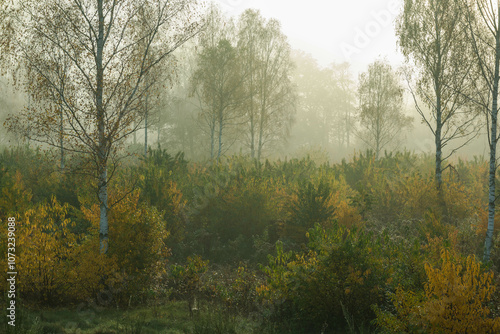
x=249, y=166
x=327, y=34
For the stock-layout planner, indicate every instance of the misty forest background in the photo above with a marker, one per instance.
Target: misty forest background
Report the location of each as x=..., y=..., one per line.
x=175, y=170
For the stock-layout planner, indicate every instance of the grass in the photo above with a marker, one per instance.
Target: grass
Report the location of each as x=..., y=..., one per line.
x=171, y=318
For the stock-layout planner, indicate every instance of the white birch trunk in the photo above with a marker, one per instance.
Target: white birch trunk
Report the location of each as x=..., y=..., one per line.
x=493, y=147
x=101, y=159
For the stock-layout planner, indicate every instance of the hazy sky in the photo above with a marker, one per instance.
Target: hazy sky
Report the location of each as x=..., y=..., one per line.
x=357, y=31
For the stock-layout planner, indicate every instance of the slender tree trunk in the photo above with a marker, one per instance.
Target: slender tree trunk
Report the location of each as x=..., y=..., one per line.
x=493, y=147
x=212, y=140
x=102, y=159
x=29, y=104
x=261, y=135
x=135, y=135
x=252, y=124
x=146, y=128
x=158, y=133
x=252, y=136
x=439, y=111
x=61, y=139
x=438, y=142
x=377, y=138
x=491, y=194
x=263, y=105
x=439, y=153
x=191, y=144
x=221, y=123
x=348, y=127
x=252, y=120
x=439, y=156
x=439, y=148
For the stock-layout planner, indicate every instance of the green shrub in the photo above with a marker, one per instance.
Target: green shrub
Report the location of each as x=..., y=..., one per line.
x=341, y=274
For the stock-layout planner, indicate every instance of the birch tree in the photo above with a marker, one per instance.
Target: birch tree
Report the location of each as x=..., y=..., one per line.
x=380, y=107
x=217, y=82
x=343, y=97
x=432, y=37
x=251, y=25
x=483, y=25
x=271, y=94
x=219, y=79
x=95, y=56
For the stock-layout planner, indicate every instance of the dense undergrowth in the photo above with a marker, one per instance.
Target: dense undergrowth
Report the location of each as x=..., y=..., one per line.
x=276, y=247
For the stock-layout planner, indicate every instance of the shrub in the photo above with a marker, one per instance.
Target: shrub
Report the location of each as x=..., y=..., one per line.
x=456, y=296
x=15, y=196
x=311, y=205
x=224, y=221
x=159, y=188
x=187, y=280
x=57, y=265
x=455, y=301
x=340, y=275
x=137, y=241
x=45, y=247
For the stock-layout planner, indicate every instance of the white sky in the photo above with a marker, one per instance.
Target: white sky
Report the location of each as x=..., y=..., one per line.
x=357, y=31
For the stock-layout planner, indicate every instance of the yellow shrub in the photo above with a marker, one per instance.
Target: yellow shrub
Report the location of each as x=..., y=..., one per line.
x=87, y=269
x=137, y=235
x=54, y=265
x=455, y=301
x=44, y=245
x=456, y=298
x=347, y=215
